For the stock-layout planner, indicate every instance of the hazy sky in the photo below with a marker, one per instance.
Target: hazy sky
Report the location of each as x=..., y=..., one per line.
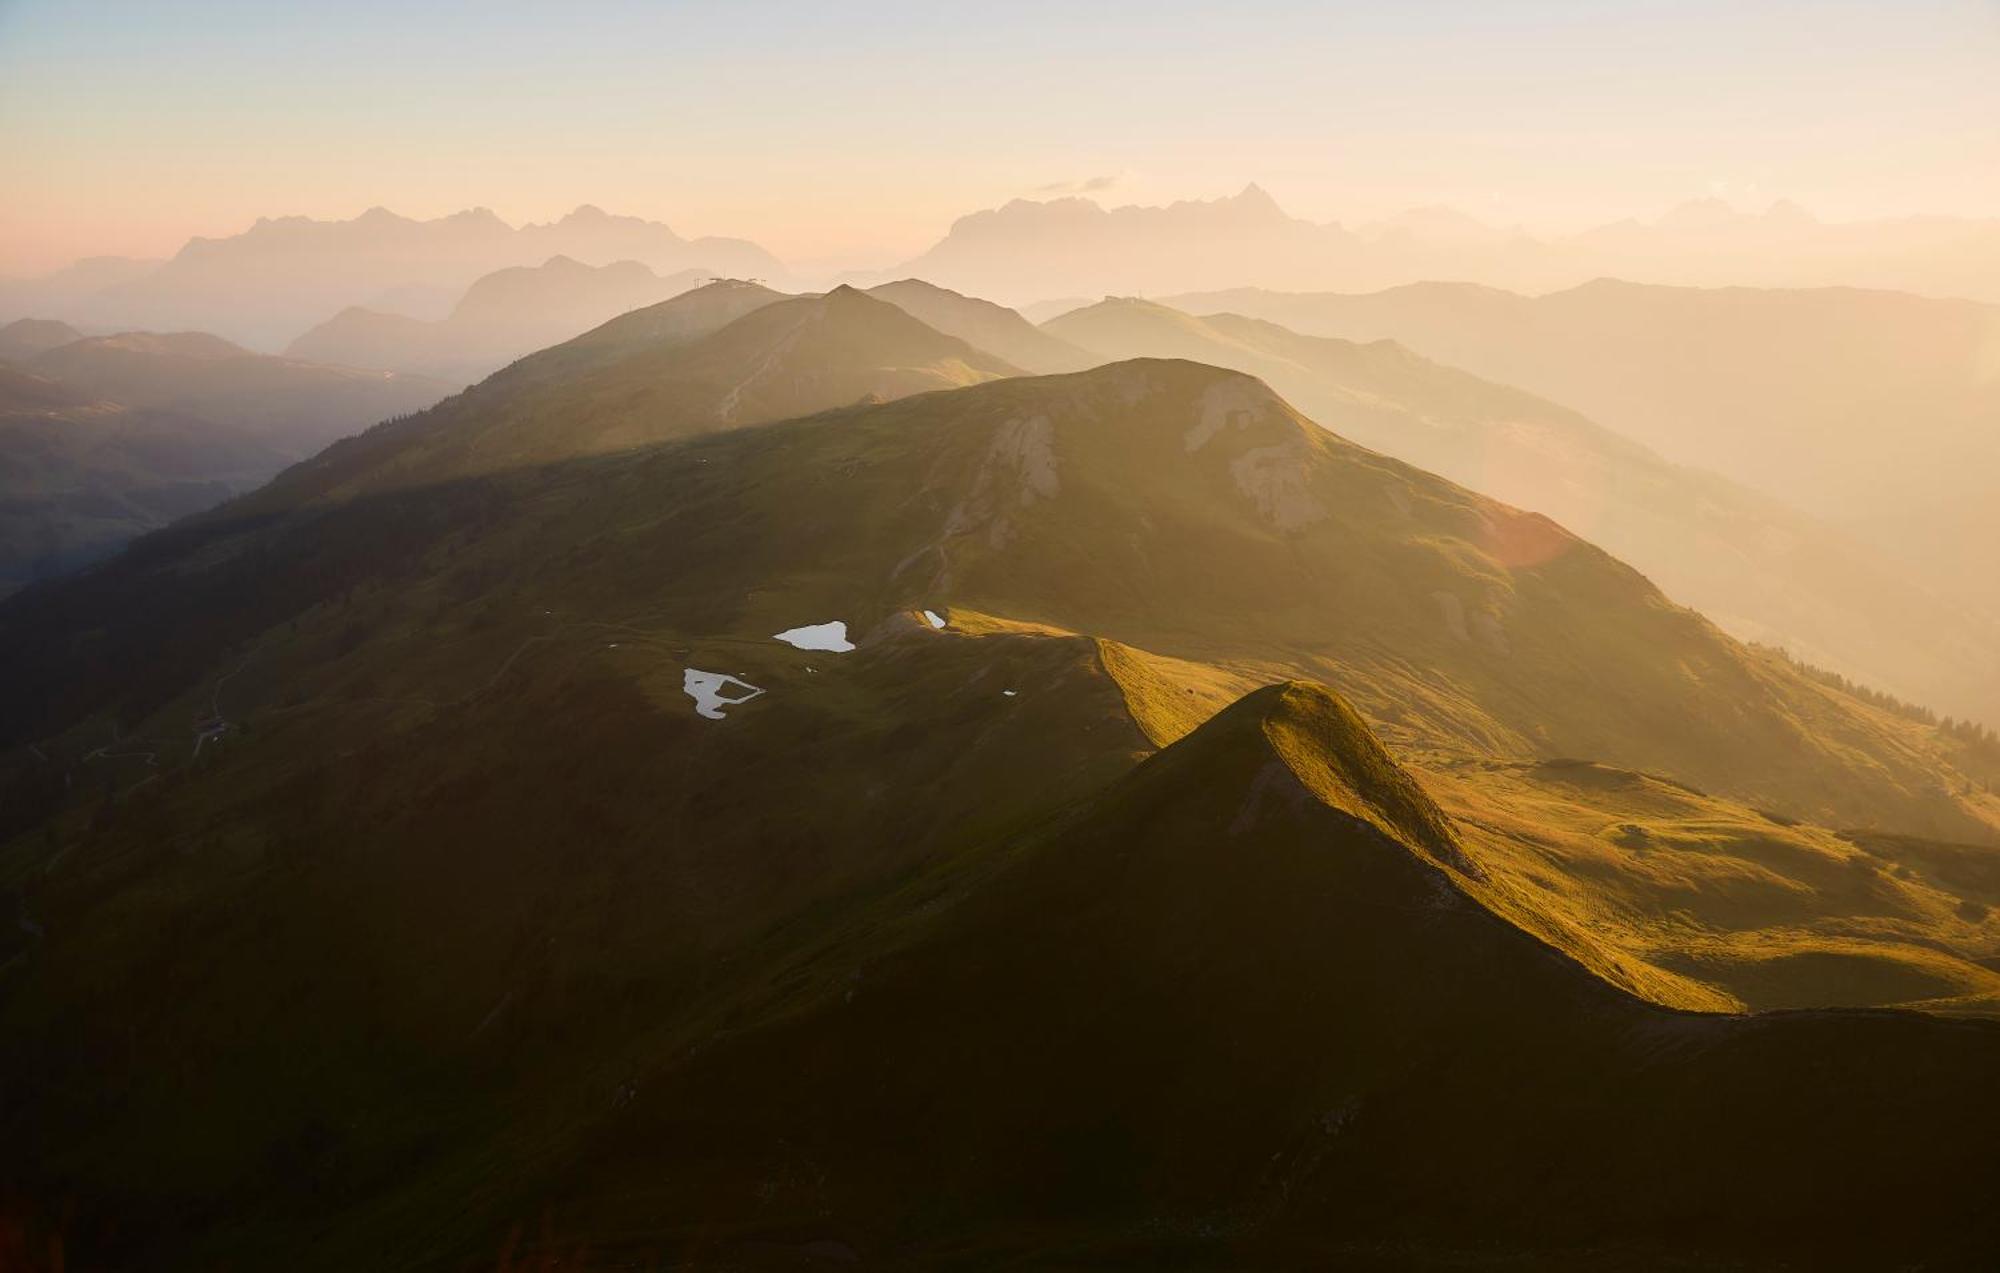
x=855, y=132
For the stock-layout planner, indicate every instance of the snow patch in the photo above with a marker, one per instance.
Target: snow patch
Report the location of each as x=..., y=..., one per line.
x=707, y=691
x=830, y=636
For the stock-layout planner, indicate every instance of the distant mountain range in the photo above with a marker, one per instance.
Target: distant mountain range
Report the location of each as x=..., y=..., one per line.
x=282, y=277
x=275, y=280
x=1029, y=250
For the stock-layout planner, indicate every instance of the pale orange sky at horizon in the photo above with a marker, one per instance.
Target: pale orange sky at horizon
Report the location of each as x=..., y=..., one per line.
x=856, y=140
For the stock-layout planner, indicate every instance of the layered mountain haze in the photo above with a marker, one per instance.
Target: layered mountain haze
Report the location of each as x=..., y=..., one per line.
x=295, y=405
x=1872, y=411
x=109, y=437
x=71, y=290
x=501, y=317
x=24, y=338
x=80, y=476
x=283, y=275
x=618, y=909
x=1764, y=571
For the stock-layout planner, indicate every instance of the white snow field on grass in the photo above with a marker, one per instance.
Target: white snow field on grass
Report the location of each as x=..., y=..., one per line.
x=707, y=691
x=830, y=636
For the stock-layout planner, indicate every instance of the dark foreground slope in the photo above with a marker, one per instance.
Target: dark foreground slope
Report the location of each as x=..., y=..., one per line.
x=1245, y=1006
x=1243, y=1002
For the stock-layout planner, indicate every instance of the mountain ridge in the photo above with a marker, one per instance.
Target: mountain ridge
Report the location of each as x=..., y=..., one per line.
x=267, y=284
x=1763, y=570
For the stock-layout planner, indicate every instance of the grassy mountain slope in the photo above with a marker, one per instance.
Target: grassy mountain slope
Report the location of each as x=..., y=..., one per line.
x=1763, y=571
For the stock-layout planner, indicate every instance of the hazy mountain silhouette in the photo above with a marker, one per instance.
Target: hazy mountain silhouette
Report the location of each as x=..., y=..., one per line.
x=24, y=338
x=1028, y=250
x=105, y=438
x=281, y=276
x=71, y=290
x=501, y=317
x=1761, y=569
x=294, y=405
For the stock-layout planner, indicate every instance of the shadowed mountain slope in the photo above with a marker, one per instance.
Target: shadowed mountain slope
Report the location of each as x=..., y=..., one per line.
x=1243, y=1004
